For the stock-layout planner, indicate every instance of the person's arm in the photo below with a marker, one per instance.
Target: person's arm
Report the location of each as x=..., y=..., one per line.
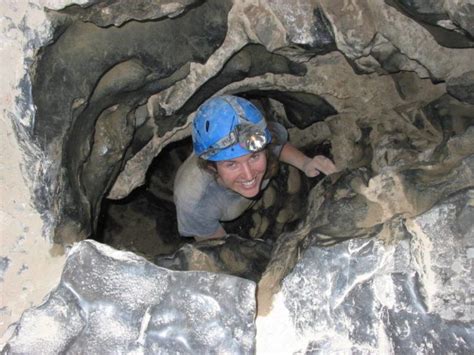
x=198, y=222
x=310, y=166
x=219, y=233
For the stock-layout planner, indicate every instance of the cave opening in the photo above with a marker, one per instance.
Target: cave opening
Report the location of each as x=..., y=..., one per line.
x=144, y=221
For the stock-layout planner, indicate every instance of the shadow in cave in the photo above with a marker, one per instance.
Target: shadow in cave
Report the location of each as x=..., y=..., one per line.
x=145, y=221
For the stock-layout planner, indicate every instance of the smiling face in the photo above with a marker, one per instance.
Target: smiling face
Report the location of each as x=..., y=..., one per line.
x=244, y=174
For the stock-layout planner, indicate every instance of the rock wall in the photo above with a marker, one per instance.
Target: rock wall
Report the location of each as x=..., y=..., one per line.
x=88, y=103
x=114, y=302
x=29, y=264
x=378, y=295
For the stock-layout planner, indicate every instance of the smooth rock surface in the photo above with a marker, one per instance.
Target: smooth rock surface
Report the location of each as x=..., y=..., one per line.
x=442, y=248
x=116, y=302
x=398, y=296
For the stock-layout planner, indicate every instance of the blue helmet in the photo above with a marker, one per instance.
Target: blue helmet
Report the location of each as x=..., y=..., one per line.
x=228, y=127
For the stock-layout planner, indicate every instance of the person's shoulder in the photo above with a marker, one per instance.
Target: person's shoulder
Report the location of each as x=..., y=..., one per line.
x=278, y=131
x=191, y=182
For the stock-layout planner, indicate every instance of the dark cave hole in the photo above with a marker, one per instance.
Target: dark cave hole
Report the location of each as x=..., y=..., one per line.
x=145, y=221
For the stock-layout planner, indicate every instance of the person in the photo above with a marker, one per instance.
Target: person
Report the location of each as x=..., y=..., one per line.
x=235, y=154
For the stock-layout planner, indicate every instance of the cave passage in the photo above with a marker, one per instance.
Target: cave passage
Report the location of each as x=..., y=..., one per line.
x=145, y=223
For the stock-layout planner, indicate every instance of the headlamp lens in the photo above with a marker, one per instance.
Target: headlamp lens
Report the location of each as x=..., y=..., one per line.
x=252, y=138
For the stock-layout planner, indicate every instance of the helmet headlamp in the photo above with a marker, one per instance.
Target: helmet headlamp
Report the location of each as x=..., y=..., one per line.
x=250, y=136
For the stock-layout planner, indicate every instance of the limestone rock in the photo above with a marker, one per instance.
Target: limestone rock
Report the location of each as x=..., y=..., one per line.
x=356, y=204
x=462, y=87
x=111, y=301
x=70, y=94
x=348, y=143
x=260, y=226
x=306, y=26
x=360, y=29
x=120, y=11
x=269, y=197
x=449, y=15
x=461, y=13
x=442, y=248
x=112, y=136
x=411, y=295
x=294, y=180
x=359, y=203
x=233, y=255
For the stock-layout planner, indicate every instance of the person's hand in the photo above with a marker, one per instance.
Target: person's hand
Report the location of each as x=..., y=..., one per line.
x=319, y=164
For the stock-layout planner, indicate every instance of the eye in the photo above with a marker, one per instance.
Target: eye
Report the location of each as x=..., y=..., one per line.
x=256, y=156
x=230, y=165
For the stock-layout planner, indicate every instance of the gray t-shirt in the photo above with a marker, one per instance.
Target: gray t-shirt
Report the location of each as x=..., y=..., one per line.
x=202, y=203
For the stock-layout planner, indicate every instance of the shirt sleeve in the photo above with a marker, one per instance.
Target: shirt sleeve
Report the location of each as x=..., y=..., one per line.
x=279, y=137
x=196, y=222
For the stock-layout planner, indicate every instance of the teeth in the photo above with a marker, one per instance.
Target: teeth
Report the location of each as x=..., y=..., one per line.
x=250, y=182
